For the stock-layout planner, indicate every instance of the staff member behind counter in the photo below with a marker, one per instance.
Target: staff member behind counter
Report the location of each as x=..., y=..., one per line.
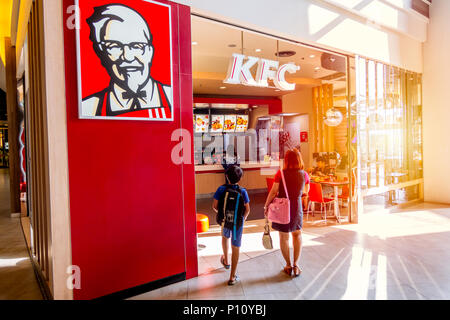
x=228, y=161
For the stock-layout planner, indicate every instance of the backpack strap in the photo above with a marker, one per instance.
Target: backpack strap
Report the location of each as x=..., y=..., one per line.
x=235, y=214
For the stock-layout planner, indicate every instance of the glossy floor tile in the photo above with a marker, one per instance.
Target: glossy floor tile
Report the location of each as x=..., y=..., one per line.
x=17, y=279
x=398, y=254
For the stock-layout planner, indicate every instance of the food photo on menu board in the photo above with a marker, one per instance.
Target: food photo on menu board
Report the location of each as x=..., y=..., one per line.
x=201, y=123
x=230, y=123
x=241, y=123
x=217, y=122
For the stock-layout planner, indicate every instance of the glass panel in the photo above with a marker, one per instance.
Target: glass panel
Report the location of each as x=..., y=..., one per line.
x=389, y=127
x=353, y=140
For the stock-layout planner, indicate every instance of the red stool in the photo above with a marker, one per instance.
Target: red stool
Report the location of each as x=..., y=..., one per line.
x=202, y=223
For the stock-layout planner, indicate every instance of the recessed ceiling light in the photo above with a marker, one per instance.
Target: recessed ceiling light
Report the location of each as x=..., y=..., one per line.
x=258, y=50
x=194, y=43
x=284, y=54
x=222, y=88
x=312, y=56
x=277, y=90
x=317, y=68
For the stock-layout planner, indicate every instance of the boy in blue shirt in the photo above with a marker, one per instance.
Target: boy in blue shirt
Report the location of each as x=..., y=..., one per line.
x=232, y=204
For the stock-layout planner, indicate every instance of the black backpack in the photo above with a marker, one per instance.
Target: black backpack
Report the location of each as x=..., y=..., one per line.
x=231, y=208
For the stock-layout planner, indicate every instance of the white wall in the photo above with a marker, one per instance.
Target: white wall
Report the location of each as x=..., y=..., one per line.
x=294, y=125
x=436, y=107
x=302, y=102
x=370, y=28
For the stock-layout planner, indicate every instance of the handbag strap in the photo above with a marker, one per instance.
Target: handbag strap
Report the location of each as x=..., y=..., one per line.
x=266, y=227
x=284, y=184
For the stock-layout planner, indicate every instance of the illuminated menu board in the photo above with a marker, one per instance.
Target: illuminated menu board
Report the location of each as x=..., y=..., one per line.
x=241, y=123
x=201, y=123
x=217, y=122
x=230, y=123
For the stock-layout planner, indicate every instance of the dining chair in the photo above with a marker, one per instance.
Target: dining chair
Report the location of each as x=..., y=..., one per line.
x=345, y=194
x=315, y=196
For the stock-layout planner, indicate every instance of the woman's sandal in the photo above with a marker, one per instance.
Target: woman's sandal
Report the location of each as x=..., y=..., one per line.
x=234, y=281
x=297, y=271
x=222, y=261
x=287, y=270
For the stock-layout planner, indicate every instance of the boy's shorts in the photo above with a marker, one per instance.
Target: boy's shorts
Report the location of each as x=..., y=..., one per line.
x=235, y=241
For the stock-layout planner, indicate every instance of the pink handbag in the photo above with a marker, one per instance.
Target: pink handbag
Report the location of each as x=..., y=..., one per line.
x=279, y=210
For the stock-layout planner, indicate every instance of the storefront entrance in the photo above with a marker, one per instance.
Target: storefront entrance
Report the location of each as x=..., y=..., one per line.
x=249, y=114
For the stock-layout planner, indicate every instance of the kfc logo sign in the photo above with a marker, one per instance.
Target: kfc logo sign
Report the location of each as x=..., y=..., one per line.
x=239, y=72
x=125, y=60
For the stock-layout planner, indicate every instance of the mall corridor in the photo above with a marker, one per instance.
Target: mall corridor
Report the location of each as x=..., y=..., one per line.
x=17, y=278
x=403, y=254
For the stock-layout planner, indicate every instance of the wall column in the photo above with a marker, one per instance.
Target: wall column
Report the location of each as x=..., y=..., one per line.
x=13, y=126
x=53, y=27
x=436, y=111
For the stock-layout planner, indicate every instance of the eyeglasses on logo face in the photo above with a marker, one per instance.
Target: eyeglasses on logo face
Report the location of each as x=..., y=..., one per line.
x=116, y=48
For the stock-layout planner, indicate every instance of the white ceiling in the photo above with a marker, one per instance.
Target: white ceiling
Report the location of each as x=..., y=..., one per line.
x=212, y=53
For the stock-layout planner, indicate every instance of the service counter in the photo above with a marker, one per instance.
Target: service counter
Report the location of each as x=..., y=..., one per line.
x=209, y=177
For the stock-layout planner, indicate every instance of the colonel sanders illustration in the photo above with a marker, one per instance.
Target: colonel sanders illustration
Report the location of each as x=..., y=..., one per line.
x=123, y=42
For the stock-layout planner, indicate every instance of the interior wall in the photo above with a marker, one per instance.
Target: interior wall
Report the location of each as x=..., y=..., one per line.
x=301, y=102
x=57, y=145
x=436, y=111
x=295, y=125
x=255, y=114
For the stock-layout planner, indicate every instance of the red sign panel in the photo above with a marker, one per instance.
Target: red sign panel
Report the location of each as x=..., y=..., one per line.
x=132, y=208
x=124, y=53
x=304, y=136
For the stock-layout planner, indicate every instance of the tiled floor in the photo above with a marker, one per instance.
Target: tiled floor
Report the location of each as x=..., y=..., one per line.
x=17, y=279
x=403, y=254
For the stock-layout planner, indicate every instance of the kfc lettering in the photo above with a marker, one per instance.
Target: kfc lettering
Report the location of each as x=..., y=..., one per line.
x=239, y=72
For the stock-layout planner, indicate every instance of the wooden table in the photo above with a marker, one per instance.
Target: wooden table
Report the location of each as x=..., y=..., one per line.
x=335, y=185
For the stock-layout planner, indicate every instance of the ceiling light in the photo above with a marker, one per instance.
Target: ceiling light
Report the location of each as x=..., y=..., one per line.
x=317, y=68
x=222, y=88
x=312, y=56
x=194, y=43
x=333, y=117
x=258, y=50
